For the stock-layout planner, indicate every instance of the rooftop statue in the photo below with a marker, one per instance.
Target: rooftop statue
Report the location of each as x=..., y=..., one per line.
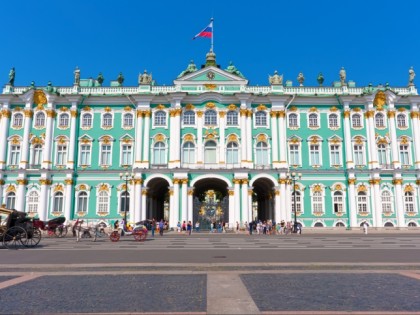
x=232, y=69
x=275, y=79
x=320, y=79
x=300, y=78
x=342, y=76
x=100, y=78
x=120, y=79
x=411, y=76
x=190, y=69
x=145, y=78
x=77, y=76
x=12, y=77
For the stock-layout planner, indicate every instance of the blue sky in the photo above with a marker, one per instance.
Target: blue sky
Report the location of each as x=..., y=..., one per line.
x=376, y=41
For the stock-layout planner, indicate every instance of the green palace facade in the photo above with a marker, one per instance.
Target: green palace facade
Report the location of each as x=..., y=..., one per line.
x=211, y=147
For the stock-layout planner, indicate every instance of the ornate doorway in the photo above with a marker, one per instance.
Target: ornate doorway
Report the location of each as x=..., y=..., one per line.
x=214, y=207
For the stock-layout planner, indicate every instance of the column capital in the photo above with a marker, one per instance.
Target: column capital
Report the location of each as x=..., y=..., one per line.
x=68, y=181
x=397, y=181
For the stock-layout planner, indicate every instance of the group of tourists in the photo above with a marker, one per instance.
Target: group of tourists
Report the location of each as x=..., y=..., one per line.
x=271, y=228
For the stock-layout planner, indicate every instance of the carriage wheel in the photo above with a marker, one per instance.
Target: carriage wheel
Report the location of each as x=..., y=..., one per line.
x=34, y=237
x=115, y=236
x=14, y=237
x=61, y=231
x=140, y=235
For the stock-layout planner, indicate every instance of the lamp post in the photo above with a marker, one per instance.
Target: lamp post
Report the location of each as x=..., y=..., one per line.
x=293, y=176
x=126, y=177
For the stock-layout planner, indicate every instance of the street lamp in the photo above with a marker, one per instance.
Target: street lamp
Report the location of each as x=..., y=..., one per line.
x=294, y=176
x=126, y=177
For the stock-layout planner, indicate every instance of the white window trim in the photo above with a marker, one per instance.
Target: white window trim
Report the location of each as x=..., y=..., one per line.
x=407, y=121
x=13, y=125
x=87, y=201
x=80, y=154
x=319, y=143
x=102, y=120
x=121, y=152
x=391, y=195
x=298, y=121
x=302, y=198
x=267, y=119
x=167, y=117
x=165, y=142
x=195, y=119
x=340, y=155
x=123, y=125
x=312, y=199
x=384, y=119
x=30, y=191
x=35, y=119
x=59, y=126
x=344, y=198
x=338, y=121
x=299, y=145
x=82, y=117
x=361, y=121
x=318, y=119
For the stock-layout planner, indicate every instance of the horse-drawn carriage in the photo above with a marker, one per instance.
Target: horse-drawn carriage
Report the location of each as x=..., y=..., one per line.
x=53, y=227
x=17, y=230
x=139, y=232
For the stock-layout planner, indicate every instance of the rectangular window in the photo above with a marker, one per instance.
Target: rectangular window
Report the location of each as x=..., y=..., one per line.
x=106, y=154
x=335, y=154
x=126, y=154
x=14, y=155
x=294, y=154
x=61, y=155
x=404, y=154
x=85, y=154
x=358, y=155
x=314, y=154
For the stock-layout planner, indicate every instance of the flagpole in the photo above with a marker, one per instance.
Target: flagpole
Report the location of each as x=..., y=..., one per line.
x=212, y=34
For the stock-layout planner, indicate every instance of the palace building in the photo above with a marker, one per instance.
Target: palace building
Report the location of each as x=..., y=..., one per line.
x=211, y=147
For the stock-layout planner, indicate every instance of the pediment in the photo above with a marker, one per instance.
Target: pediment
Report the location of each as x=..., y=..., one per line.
x=209, y=75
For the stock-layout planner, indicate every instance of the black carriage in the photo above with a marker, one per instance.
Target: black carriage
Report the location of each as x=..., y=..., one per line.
x=17, y=230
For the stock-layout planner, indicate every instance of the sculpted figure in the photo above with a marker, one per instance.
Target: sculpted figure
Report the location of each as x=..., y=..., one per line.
x=411, y=76
x=232, y=69
x=120, y=79
x=100, y=78
x=276, y=79
x=300, y=78
x=320, y=79
x=343, y=76
x=77, y=76
x=12, y=77
x=190, y=69
x=145, y=78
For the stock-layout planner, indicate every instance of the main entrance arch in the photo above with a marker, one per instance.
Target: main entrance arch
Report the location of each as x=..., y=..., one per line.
x=157, y=201
x=211, y=202
x=263, y=201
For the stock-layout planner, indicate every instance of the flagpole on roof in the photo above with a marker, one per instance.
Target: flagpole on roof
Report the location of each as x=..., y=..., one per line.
x=212, y=34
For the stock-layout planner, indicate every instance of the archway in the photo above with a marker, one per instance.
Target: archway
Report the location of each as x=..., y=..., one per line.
x=211, y=202
x=157, y=201
x=263, y=202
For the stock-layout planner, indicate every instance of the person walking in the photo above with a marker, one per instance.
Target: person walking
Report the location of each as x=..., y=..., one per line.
x=161, y=227
x=237, y=227
x=189, y=227
x=197, y=226
x=153, y=227
x=251, y=225
x=365, y=228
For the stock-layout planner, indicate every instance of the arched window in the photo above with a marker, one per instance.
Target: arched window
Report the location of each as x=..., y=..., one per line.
x=401, y=121
x=409, y=202
x=188, y=152
x=32, y=205
x=318, y=224
x=64, y=120
x=293, y=120
x=260, y=119
x=386, y=201
x=338, y=202
x=107, y=120
x=340, y=224
x=232, y=118
x=188, y=118
x=379, y=120
x=40, y=119
x=37, y=155
x=58, y=202
x=210, y=152
x=261, y=153
x=333, y=120
x=362, y=202
x=298, y=201
x=356, y=121
x=313, y=120
x=317, y=202
x=125, y=201
x=159, y=153
x=210, y=118
x=10, y=200
x=87, y=120
x=160, y=118
x=128, y=120
x=103, y=202
x=82, y=201
x=383, y=156
x=18, y=120
x=232, y=154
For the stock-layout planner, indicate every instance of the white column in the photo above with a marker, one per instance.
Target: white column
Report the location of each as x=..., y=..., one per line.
x=137, y=197
x=283, y=199
x=232, y=218
x=373, y=161
x=416, y=136
x=399, y=198
x=222, y=144
x=24, y=157
x=376, y=202
x=176, y=137
x=68, y=213
x=73, y=141
x=190, y=204
x=139, y=139
x=274, y=140
x=249, y=202
x=347, y=140
x=131, y=191
x=352, y=203
x=199, y=138
x=46, y=163
x=394, y=143
x=5, y=120
x=2, y=182
x=175, y=204
x=249, y=139
x=143, y=215
x=43, y=203
x=244, y=139
x=21, y=196
x=277, y=202
x=237, y=202
x=146, y=144
x=245, y=209
x=282, y=139
x=184, y=205
x=172, y=138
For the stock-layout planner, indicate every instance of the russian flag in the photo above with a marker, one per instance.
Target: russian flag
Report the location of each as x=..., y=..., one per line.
x=207, y=32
